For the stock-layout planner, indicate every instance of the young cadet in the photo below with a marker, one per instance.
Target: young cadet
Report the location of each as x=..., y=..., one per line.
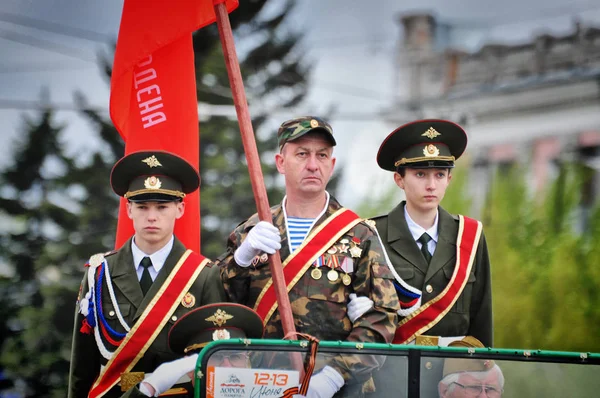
x=328, y=253
x=129, y=298
x=189, y=335
x=422, y=239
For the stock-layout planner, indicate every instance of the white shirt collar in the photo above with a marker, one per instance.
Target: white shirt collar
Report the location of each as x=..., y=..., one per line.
x=416, y=230
x=158, y=258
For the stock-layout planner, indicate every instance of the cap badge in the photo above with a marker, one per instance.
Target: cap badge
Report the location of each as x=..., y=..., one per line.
x=221, y=334
x=431, y=133
x=152, y=161
x=219, y=318
x=431, y=151
x=152, y=183
x=314, y=123
x=188, y=300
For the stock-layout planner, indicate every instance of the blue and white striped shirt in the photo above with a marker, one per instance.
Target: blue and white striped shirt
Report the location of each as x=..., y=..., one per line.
x=298, y=229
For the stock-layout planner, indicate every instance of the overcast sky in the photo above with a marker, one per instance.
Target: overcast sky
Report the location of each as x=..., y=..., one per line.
x=350, y=41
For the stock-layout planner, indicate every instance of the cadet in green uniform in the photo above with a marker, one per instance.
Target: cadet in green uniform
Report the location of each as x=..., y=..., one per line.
x=421, y=155
x=421, y=240
x=191, y=333
x=152, y=280
x=347, y=260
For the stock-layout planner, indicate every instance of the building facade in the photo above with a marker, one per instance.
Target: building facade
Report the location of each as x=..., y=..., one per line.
x=536, y=102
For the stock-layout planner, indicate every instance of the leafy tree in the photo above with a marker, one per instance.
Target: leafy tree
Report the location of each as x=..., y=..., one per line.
x=544, y=267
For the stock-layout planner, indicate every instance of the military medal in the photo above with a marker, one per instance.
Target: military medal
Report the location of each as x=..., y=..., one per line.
x=188, y=300
x=355, y=251
x=346, y=280
x=316, y=273
x=264, y=258
x=332, y=275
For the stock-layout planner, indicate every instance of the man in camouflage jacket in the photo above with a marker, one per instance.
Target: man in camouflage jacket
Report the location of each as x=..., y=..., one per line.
x=352, y=263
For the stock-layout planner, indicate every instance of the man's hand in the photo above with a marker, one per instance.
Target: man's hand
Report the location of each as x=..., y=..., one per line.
x=324, y=384
x=358, y=306
x=264, y=237
x=166, y=375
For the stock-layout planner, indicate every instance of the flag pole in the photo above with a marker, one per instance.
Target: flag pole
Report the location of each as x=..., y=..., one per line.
x=254, y=168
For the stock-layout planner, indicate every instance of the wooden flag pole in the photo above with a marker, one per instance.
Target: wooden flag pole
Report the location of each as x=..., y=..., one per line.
x=256, y=176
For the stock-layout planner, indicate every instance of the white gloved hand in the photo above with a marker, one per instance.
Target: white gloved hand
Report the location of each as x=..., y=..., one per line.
x=325, y=383
x=167, y=374
x=264, y=237
x=358, y=306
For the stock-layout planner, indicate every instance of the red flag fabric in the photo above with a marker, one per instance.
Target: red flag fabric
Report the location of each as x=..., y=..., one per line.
x=153, y=100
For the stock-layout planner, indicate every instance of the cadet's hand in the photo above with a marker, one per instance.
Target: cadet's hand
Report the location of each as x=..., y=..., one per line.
x=166, y=375
x=264, y=237
x=325, y=383
x=358, y=306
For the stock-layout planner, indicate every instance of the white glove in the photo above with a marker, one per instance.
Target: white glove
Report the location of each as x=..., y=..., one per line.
x=264, y=237
x=167, y=374
x=358, y=306
x=325, y=383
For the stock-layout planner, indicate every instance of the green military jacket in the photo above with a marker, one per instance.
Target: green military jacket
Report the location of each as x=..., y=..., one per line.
x=86, y=358
x=472, y=312
x=319, y=306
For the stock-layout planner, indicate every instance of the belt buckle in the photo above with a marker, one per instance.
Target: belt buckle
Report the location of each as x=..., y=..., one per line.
x=427, y=340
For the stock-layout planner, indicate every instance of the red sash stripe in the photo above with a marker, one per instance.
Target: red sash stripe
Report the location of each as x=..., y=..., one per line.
x=297, y=263
x=469, y=233
x=150, y=323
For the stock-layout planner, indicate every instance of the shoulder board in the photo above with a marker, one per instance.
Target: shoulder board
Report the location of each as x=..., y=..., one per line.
x=370, y=222
x=97, y=259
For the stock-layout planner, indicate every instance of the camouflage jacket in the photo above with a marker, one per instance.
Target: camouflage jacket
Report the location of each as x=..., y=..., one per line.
x=319, y=306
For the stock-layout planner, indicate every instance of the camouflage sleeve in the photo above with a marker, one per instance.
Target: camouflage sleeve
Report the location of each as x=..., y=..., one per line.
x=236, y=279
x=372, y=279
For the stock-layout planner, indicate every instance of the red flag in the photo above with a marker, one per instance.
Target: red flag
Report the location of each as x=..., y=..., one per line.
x=153, y=100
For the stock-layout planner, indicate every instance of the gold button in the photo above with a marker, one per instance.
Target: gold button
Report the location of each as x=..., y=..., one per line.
x=174, y=318
x=428, y=365
x=111, y=313
x=429, y=288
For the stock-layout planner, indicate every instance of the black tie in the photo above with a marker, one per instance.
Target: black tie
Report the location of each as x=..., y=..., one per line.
x=146, y=280
x=424, y=240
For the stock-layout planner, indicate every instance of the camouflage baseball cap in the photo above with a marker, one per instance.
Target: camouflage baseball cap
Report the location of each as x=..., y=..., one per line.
x=296, y=128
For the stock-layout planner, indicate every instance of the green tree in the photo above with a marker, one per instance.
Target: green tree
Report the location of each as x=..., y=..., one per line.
x=544, y=267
